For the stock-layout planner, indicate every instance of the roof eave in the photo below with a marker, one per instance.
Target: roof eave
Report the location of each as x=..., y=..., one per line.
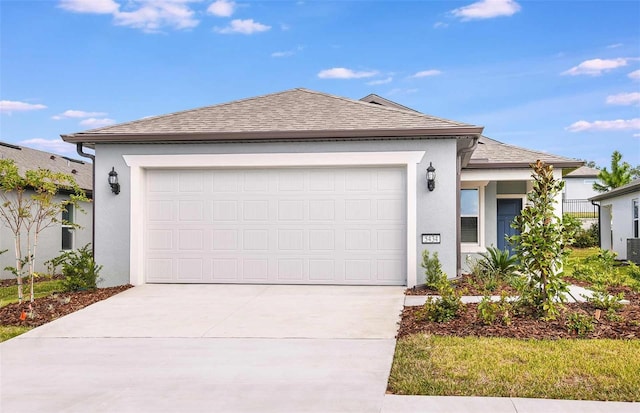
x=615, y=193
x=253, y=136
x=527, y=165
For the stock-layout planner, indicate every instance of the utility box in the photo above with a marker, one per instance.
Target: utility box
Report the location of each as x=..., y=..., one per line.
x=633, y=250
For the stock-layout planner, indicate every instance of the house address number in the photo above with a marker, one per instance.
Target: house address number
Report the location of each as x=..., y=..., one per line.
x=431, y=238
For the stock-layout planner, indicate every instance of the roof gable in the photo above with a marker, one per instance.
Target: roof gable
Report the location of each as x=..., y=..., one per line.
x=28, y=158
x=631, y=187
x=583, y=172
x=295, y=113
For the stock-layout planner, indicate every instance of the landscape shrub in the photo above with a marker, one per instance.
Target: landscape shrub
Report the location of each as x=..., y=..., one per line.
x=586, y=238
x=432, y=269
x=580, y=324
x=496, y=265
x=79, y=269
x=444, y=308
x=603, y=301
x=489, y=310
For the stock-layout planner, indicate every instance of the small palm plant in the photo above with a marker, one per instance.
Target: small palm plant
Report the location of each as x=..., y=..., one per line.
x=497, y=265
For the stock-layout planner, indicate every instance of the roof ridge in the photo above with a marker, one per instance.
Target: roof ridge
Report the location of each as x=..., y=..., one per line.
x=406, y=112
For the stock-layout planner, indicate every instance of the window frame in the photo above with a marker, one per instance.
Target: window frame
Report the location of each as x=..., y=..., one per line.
x=470, y=247
x=635, y=217
x=70, y=210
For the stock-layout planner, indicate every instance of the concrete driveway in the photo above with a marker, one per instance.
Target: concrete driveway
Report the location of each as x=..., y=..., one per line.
x=209, y=348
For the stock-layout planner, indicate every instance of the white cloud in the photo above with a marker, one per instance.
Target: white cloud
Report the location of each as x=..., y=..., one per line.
x=153, y=15
x=344, y=73
x=8, y=106
x=67, y=114
x=614, y=46
x=440, y=25
x=636, y=135
x=635, y=75
x=426, y=73
x=595, y=67
x=247, y=26
x=287, y=53
x=90, y=6
x=96, y=123
x=283, y=54
x=604, y=125
x=624, y=99
x=49, y=145
x=399, y=91
x=487, y=9
x=221, y=8
x=380, y=81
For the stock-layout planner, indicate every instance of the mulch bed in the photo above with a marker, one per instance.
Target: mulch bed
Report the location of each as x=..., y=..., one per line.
x=468, y=285
x=527, y=327
x=46, y=309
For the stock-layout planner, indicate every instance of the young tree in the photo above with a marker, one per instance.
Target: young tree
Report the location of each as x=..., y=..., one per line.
x=540, y=246
x=621, y=174
x=29, y=206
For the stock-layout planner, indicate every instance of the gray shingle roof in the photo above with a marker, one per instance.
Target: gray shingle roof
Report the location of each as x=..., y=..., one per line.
x=583, y=172
x=631, y=187
x=295, y=113
x=27, y=158
x=491, y=153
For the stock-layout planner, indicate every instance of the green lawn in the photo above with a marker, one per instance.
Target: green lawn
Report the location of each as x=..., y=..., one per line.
x=7, y=332
x=9, y=294
x=560, y=369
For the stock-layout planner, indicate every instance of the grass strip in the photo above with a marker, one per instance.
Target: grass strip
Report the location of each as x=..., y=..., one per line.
x=9, y=294
x=7, y=332
x=499, y=367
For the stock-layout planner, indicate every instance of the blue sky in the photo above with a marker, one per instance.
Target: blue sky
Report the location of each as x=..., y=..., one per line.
x=556, y=76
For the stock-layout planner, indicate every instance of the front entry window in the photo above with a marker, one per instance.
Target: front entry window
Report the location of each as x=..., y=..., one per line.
x=469, y=215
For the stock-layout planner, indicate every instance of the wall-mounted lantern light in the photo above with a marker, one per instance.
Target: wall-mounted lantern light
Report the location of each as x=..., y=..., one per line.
x=431, y=177
x=113, y=181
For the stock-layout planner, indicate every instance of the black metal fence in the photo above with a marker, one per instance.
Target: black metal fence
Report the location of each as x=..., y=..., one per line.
x=579, y=208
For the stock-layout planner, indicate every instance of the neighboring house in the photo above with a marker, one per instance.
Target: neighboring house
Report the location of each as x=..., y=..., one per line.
x=300, y=187
x=58, y=238
x=578, y=188
x=619, y=219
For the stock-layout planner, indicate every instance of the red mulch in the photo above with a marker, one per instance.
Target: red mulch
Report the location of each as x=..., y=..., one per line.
x=46, y=309
x=468, y=285
x=527, y=327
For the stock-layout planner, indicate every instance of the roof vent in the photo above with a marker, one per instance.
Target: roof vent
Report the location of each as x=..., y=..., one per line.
x=73, y=171
x=52, y=157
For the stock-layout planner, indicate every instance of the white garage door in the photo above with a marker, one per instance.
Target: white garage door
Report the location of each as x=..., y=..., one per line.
x=276, y=226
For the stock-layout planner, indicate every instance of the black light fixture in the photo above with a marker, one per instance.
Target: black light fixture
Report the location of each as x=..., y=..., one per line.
x=113, y=181
x=431, y=177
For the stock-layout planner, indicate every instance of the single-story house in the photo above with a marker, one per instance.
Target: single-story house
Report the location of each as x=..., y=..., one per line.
x=578, y=184
x=55, y=239
x=300, y=187
x=619, y=220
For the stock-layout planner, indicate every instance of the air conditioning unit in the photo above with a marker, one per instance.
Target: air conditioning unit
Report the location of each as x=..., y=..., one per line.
x=633, y=250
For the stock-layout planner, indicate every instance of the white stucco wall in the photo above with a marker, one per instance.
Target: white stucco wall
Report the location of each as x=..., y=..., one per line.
x=620, y=217
x=49, y=244
x=435, y=210
x=579, y=188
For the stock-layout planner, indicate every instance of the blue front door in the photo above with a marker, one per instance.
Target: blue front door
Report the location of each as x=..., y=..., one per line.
x=508, y=209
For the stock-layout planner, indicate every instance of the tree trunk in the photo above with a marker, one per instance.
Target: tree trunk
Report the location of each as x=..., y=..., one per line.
x=18, y=274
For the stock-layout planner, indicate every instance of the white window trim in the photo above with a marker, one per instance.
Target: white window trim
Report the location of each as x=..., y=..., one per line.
x=139, y=163
x=634, y=202
x=476, y=247
x=71, y=229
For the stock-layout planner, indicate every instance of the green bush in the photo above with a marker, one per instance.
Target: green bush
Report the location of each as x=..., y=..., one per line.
x=634, y=271
x=586, y=238
x=446, y=307
x=78, y=268
x=432, y=269
x=489, y=311
x=580, y=324
x=604, y=301
x=498, y=264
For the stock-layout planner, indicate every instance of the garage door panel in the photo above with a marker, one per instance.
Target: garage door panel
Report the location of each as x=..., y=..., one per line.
x=317, y=225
